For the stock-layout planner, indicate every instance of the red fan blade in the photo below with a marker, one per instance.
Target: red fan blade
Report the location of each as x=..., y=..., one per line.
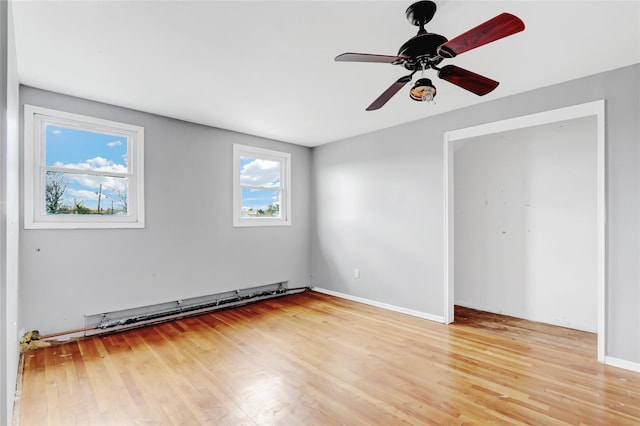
x=367, y=57
x=476, y=83
x=387, y=94
x=494, y=29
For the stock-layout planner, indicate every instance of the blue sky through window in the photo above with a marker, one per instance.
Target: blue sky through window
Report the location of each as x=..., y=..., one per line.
x=66, y=147
x=260, y=179
x=83, y=150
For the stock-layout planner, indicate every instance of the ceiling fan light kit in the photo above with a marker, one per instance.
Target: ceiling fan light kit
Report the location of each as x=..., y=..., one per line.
x=427, y=50
x=423, y=90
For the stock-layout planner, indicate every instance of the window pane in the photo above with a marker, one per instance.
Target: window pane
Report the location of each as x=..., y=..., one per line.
x=77, y=193
x=85, y=150
x=260, y=203
x=258, y=172
x=261, y=180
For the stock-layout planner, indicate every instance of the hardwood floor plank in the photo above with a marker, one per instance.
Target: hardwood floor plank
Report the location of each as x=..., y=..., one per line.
x=313, y=359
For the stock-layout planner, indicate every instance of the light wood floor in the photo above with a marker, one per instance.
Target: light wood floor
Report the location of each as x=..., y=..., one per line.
x=312, y=359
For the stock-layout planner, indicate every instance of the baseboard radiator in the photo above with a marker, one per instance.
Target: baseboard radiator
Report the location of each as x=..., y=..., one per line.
x=145, y=315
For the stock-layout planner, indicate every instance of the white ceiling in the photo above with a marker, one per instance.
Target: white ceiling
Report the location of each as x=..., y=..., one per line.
x=267, y=68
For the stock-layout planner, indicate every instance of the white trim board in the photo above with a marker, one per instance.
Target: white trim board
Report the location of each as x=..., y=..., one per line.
x=621, y=363
x=596, y=108
x=387, y=306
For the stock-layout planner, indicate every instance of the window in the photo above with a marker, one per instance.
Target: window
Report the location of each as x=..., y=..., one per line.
x=261, y=183
x=81, y=172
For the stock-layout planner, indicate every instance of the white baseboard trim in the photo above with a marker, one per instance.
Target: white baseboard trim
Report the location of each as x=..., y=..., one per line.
x=622, y=363
x=387, y=306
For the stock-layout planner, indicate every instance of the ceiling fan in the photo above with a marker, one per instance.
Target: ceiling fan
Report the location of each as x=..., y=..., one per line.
x=426, y=50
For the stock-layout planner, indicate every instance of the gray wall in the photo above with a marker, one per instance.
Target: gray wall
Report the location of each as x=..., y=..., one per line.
x=379, y=207
x=526, y=223
x=8, y=215
x=188, y=248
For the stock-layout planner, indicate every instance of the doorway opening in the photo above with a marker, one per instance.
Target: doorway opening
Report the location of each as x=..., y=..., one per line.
x=471, y=138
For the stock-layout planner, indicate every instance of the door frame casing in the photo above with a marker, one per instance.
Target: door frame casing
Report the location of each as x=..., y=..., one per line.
x=595, y=108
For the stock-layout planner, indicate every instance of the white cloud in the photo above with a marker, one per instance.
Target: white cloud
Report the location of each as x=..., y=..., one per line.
x=108, y=183
x=88, y=195
x=114, y=143
x=260, y=172
x=97, y=163
x=81, y=194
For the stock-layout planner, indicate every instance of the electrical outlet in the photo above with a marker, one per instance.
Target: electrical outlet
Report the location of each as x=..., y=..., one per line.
x=356, y=273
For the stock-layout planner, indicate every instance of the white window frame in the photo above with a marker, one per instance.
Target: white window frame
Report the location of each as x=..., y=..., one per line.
x=284, y=158
x=35, y=120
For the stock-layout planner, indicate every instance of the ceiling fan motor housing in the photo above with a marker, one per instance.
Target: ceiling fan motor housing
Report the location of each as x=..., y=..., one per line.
x=422, y=49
